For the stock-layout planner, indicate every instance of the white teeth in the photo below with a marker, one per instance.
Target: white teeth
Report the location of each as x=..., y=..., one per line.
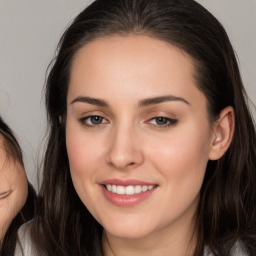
x=144, y=188
x=137, y=189
x=120, y=190
x=128, y=190
x=113, y=188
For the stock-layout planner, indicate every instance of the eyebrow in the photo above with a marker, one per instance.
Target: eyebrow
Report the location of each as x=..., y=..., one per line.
x=89, y=100
x=142, y=103
x=161, y=99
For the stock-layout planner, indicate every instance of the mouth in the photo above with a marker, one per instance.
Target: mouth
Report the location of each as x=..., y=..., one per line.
x=127, y=193
x=129, y=189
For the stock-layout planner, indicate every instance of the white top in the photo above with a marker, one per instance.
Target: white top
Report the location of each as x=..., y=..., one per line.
x=25, y=246
x=28, y=249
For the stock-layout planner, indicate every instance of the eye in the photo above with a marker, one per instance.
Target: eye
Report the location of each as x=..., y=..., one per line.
x=163, y=121
x=93, y=120
x=5, y=194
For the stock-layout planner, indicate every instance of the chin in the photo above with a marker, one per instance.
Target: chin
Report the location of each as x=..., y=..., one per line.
x=128, y=231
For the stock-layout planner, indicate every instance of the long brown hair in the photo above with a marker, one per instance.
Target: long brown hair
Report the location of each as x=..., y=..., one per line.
x=227, y=208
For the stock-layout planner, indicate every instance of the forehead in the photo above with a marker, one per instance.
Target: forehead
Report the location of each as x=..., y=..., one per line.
x=122, y=52
x=131, y=65
x=4, y=159
x=11, y=171
x=8, y=161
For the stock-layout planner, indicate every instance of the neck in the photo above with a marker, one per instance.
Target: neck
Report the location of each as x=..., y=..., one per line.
x=178, y=241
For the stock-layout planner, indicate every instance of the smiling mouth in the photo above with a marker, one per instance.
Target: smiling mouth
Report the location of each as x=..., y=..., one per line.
x=128, y=190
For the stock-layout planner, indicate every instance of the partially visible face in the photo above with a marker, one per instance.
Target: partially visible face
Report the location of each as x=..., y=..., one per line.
x=13, y=189
x=137, y=135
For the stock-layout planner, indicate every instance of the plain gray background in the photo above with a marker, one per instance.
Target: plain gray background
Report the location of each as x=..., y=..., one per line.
x=29, y=33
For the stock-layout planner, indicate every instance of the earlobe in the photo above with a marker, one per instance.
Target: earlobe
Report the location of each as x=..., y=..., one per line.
x=223, y=132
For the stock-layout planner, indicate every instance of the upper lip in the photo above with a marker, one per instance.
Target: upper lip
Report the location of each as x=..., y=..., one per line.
x=127, y=182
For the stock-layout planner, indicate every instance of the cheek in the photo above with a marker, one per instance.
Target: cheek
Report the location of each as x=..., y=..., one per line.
x=80, y=167
x=84, y=155
x=5, y=220
x=9, y=208
x=13, y=203
x=81, y=154
x=183, y=157
x=181, y=161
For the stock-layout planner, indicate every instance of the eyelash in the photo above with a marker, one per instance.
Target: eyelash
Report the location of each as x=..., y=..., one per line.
x=5, y=194
x=168, y=122
x=85, y=119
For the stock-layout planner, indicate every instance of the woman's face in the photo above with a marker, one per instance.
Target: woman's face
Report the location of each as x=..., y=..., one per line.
x=137, y=135
x=13, y=189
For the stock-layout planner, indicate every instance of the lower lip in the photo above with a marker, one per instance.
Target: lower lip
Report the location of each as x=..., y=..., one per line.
x=127, y=200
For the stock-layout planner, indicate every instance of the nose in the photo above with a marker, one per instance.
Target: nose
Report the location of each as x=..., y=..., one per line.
x=125, y=149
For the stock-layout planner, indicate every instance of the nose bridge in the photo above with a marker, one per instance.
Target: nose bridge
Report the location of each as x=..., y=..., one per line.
x=124, y=150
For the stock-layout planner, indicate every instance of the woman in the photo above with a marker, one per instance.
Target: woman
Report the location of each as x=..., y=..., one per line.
x=151, y=147
x=17, y=196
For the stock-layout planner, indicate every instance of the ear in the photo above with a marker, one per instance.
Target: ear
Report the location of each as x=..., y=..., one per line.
x=223, y=131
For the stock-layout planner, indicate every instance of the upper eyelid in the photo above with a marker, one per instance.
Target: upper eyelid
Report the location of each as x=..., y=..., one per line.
x=164, y=114
x=84, y=121
x=167, y=118
x=92, y=115
x=146, y=117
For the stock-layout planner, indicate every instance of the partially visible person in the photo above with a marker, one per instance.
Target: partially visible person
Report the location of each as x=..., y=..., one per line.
x=16, y=194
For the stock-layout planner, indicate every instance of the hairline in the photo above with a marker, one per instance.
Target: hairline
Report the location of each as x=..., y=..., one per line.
x=146, y=33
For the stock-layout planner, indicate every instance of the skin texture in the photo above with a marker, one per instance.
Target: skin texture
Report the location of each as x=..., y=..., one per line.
x=13, y=189
x=129, y=143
